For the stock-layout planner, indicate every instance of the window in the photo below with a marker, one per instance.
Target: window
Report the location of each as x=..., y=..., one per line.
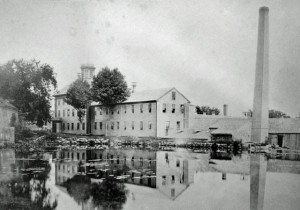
x=132, y=108
x=125, y=126
x=178, y=125
x=58, y=101
x=173, y=95
x=173, y=108
x=172, y=192
x=83, y=126
x=100, y=125
x=164, y=180
x=78, y=124
x=132, y=161
x=112, y=112
x=141, y=108
x=164, y=108
x=149, y=162
x=72, y=126
x=182, y=108
x=177, y=163
x=150, y=107
x=118, y=160
x=64, y=113
x=150, y=125
x=106, y=111
x=173, y=179
x=112, y=125
x=118, y=125
x=63, y=126
x=95, y=111
x=73, y=112
x=111, y=158
x=58, y=113
x=141, y=125
x=95, y=125
x=132, y=125
x=68, y=113
x=118, y=110
x=141, y=161
x=68, y=126
x=83, y=156
x=125, y=109
x=100, y=111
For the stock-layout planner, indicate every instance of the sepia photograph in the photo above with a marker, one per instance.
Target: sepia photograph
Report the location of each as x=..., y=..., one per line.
x=149, y=105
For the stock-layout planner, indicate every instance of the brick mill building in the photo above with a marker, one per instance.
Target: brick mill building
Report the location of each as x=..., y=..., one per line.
x=156, y=113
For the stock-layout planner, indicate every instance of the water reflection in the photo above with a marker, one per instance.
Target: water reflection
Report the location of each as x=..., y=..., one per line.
x=23, y=182
x=127, y=178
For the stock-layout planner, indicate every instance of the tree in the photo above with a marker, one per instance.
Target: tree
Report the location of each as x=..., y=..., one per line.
x=277, y=114
x=27, y=85
x=78, y=96
x=109, y=87
x=207, y=110
x=272, y=114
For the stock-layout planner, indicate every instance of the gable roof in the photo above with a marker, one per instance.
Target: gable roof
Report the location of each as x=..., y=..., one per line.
x=62, y=91
x=6, y=104
x=150, y=95
x=236, y=125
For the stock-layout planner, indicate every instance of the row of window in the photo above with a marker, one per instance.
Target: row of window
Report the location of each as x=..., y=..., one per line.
x=66, y=126
x=69, y=113
x=60, y=101
x=116, y=125
x=164, y=110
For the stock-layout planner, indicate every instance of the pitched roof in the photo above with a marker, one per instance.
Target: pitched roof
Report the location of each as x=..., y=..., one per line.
x=5, y=103
x=284, y=125
x=148, y=95
x=235, y=125
x=62, y=91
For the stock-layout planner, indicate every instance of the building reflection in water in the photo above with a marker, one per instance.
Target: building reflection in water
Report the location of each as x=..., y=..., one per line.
x=169, y=172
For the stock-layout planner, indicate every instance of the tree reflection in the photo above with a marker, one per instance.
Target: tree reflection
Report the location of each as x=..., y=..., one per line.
x=109, y=194
x=27, y=190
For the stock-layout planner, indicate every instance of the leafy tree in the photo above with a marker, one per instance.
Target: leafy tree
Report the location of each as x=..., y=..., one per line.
x=277, y=114
x=207, y=110
x=27, y=85
x=78, y=96
x=109, y=87
x=272, y=114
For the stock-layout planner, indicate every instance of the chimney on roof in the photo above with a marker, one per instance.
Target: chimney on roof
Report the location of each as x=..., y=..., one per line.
x=225, y=110
x=133, y=87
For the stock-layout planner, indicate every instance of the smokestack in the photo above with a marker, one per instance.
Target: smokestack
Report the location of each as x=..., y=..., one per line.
x=260, y=117
x=225, y=110
x=133, y=87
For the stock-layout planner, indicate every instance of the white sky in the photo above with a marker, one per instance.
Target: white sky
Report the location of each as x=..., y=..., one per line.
x=204, y=48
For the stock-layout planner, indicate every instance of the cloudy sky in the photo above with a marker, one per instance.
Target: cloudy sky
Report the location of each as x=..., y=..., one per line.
x=204, y=48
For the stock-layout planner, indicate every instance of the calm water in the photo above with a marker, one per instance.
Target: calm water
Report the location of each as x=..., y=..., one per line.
x=127, y=178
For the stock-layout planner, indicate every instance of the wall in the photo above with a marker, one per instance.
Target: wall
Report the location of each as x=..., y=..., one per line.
x=7, y=133
x=62, y=113
x=118, y=115
x=168, y=118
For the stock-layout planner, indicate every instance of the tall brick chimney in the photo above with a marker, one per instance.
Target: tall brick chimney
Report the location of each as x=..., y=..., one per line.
x=260, y=117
